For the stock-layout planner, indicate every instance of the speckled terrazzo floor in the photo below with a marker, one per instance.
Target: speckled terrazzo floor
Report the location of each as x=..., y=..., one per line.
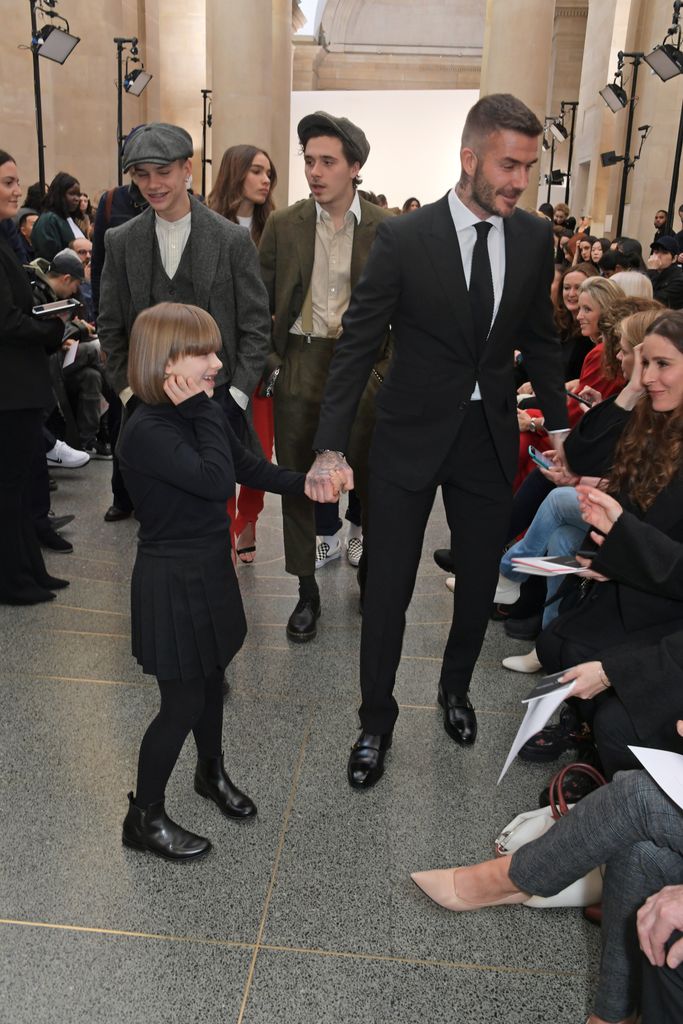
x=306, y=915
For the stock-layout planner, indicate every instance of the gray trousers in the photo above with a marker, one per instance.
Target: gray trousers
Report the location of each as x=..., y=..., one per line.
x=633, y=828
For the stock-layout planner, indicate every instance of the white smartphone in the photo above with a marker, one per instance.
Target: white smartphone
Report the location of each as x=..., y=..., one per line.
x=51, y=308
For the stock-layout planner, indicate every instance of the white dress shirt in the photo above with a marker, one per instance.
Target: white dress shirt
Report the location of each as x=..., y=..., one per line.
x=464, y=221
x=172, y=236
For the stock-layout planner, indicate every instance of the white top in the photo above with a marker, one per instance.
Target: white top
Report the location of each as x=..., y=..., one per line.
x=172, y=236
x=245, y=222
x=77, y=233
x=464, y=221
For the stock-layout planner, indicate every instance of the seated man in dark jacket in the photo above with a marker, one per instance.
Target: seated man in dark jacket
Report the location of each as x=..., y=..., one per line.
x=666, y=273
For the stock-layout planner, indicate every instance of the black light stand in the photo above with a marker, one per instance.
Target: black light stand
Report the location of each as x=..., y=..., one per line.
x=636, y=60
x=207, y=119
x=677, y=166
x=549, y=175
x=569, y=105
x=133, y=82
x=38, y=99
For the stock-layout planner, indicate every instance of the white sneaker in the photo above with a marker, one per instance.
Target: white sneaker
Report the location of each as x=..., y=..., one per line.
x=507, y=591
x=66, y=457
x=327, y=549
x=354, y=550
x=450, y=583
x=523, y=662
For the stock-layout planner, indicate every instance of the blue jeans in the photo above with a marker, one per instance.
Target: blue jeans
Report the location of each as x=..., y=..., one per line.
x=557, y=529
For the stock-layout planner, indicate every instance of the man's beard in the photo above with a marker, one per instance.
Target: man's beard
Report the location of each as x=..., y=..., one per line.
x=484, y=195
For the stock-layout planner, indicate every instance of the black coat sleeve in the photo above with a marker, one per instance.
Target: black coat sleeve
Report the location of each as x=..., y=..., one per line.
x=365, y=326
x=17, y=327
x=260, y=474
x=642, y=556
x=649, y=683
x=591, y=445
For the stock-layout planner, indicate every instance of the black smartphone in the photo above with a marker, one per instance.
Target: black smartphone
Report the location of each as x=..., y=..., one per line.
x=578, y=398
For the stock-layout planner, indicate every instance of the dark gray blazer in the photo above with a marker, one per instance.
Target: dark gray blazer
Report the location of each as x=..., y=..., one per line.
x=227, y=282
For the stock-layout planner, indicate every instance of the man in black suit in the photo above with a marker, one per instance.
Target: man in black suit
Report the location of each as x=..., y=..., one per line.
x=463, y=282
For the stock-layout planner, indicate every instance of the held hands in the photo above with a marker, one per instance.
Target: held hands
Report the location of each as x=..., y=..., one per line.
x=329, y=474
x=658, y=917
x=179, y=389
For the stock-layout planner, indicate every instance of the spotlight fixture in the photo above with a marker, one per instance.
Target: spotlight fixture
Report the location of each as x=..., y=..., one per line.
x=558, y=130
x=666, y=60
x=54, y=43
x=136, y=81
x=546, y=144
x=610, y=158
x=556, y=177
x=614, y=96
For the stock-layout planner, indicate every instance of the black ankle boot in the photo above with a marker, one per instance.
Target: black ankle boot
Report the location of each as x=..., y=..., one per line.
x=150, y=828
x=212, y=782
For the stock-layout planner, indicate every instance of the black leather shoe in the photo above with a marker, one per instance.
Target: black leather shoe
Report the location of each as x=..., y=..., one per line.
x=49, y=539
x=459, y=719
x=114, y=514
x=150, y=829
x=301, y=626
x=444, y=560
x=212, y=782
x=366, y=761
x=523, y=629
x=59, y=522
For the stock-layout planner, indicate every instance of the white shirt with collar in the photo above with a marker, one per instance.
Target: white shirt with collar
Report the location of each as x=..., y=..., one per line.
x=464, y=221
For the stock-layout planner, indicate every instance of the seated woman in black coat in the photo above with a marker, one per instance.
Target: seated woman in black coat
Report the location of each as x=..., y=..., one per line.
x=643, y=428
x=181, y=460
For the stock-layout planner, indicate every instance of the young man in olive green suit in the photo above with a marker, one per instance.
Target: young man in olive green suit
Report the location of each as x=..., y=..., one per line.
x=312, y=255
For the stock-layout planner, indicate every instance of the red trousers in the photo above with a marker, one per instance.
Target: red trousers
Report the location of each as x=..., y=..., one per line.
x=249, y=503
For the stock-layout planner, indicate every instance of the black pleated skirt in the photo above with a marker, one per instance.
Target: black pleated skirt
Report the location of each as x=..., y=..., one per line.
x=187, y=617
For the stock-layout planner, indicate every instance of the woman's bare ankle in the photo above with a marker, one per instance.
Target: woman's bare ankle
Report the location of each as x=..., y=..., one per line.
x=489, y=880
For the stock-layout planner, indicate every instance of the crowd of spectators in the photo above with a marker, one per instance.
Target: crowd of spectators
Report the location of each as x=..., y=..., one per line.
x=614, y=495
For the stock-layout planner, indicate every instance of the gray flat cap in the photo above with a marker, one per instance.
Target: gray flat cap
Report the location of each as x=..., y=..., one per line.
x=339, y=126
x=157, y=143
x=67, y=262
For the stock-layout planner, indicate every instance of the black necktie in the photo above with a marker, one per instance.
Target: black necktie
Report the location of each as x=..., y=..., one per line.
x=481, y=285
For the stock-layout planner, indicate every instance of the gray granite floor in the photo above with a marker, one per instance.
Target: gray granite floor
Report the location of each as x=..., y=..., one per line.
x=306, y=915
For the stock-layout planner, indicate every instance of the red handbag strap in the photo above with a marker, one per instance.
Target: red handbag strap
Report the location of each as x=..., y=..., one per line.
x=558, y=803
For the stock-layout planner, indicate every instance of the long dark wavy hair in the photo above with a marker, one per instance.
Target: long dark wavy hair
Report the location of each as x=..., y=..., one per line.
x=55, y=197
x=228, y=191
x=567, y=327
x=650, y=451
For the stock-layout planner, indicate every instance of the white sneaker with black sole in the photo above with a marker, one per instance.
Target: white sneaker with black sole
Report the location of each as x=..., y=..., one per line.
x=64, y=457
x=354, y=550
x=327, y=549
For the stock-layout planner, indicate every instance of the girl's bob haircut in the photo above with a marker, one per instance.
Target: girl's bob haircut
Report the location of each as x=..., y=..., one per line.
x=162, y=334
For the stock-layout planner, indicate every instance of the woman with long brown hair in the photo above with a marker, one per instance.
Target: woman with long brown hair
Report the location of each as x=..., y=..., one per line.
x=243, y=193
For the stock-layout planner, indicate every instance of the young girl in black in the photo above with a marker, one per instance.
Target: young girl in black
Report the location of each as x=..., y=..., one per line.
x=181, y=460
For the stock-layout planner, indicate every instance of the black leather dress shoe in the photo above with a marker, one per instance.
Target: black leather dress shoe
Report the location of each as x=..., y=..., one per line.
x=212, y=782
x=444, y=560
x=302, y=624
x=366, y=761
x=114, y=514
x=49, y=539
x=459, y=719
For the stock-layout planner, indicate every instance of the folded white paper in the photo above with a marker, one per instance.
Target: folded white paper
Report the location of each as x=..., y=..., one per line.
x=539, y=710
x=665, y=768
x=70, y=355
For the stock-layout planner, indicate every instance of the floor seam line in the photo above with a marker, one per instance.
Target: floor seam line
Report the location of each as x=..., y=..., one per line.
x=296, y=776
x=126, y=933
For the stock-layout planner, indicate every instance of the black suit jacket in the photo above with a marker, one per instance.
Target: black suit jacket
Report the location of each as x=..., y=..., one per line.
x=24, y=340
x=414, y=281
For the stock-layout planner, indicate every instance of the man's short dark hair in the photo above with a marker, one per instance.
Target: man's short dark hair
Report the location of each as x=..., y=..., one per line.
x=610, y=260
x=499, y=112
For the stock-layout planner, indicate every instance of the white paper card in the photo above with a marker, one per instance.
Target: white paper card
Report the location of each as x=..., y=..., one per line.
x=70, y=355
x=539, y=711
x=665, y=768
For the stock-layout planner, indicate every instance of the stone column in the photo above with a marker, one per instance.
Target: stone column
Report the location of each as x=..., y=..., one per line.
x=251, y=60
x=518, y=40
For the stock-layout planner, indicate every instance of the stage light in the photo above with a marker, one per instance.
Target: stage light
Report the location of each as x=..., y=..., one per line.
x=54, y=43
x=614, y=96
x=610, y=158
x=136, y=81
x=666, y=61
x=559, y=131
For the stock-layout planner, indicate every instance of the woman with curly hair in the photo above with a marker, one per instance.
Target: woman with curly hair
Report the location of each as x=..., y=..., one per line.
x=243, y=193
x=56, y=226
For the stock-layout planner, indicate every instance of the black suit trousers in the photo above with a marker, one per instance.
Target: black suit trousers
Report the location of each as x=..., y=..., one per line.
x=478, y=499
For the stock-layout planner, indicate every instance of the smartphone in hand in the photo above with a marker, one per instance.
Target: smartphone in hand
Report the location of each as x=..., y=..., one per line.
x=539, y=458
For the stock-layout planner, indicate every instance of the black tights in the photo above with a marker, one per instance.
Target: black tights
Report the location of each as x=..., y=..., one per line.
x=186, y=705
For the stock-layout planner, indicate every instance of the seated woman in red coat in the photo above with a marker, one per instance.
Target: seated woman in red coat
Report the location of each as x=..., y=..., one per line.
x=181, y=461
